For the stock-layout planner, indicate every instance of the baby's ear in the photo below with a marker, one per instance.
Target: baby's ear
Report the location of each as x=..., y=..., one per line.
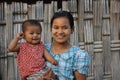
x=22, y=35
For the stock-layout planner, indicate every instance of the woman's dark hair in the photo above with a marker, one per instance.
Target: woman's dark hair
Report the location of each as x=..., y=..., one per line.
x=63, y=14
x=29, y=23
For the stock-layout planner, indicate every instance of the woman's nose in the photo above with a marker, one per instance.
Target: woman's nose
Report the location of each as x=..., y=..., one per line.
x=60, y=31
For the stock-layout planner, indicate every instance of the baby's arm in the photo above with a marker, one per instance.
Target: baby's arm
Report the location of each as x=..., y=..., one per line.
x=13, y=46
x=49, y=58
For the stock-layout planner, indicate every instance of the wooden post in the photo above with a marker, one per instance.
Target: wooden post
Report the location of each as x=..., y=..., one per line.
x=97, y=25
x=106, y=39
x=81, y=20
x=9, y=61
x=114, y=20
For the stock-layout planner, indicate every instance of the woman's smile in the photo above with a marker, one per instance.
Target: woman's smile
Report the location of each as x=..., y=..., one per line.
x=60, y=37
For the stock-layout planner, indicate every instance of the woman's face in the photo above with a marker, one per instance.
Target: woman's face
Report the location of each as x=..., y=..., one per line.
x=61, y=30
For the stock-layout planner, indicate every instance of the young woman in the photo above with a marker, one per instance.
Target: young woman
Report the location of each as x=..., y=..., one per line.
x=73, y=63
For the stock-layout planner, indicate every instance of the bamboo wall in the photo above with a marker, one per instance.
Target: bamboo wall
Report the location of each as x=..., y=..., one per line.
x=97, y=28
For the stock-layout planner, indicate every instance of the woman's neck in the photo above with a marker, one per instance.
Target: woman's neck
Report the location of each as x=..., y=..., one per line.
x=60, y=47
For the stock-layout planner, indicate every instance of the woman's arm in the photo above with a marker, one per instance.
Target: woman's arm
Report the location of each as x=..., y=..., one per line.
x=81, y=65
x=79, y=76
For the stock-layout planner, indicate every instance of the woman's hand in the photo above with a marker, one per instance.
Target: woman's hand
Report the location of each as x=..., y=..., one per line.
x=49, y=75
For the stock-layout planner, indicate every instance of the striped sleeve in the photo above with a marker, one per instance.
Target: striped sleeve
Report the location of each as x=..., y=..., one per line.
x=81, y=62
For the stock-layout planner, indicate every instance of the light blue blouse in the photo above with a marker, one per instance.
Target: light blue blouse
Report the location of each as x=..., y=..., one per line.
x=69, y=61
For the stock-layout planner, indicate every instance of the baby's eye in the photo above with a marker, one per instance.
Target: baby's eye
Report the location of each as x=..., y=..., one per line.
x=38, y=33
x=31, y=33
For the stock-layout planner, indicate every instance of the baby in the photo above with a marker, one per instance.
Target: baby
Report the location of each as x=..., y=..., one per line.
x=31, y=54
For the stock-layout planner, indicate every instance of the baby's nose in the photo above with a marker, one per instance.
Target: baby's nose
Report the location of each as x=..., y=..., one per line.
x=34, y=34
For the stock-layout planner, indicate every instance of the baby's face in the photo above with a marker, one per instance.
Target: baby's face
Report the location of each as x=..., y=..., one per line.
x=32, y=34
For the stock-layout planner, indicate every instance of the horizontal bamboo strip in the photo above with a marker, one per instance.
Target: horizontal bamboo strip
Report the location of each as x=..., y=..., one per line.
x=105, y=77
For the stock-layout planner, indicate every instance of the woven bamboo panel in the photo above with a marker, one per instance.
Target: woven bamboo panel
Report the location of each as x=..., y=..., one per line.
x=97, y=30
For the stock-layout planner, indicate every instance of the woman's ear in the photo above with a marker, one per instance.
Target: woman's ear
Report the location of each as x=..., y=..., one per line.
x=72, y=30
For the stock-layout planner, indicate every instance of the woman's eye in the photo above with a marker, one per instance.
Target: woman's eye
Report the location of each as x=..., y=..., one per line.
x=55, y=27
x=65, y=27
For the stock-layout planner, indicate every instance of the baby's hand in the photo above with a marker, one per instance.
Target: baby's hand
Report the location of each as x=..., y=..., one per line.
x=54, y=62
x=19, y=36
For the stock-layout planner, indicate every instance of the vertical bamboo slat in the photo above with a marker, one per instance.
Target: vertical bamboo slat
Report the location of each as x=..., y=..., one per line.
x=72, y=5
x=2, y=43
x=31, y=11
x=81, y=20
x=88, y=34
x=106, y=46
x=65, y=5
x=46, y=16
x=106, y=40
x=114, y=15
x=1, y=11
x=39, y=10
x=50, y=13
x=8, y=35
x=97, y=12
x=73, y=10
x=2, y=51
x=74, y=35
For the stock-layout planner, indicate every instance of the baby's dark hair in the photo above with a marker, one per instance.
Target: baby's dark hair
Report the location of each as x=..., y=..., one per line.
x=29, y=23
x=63, y=14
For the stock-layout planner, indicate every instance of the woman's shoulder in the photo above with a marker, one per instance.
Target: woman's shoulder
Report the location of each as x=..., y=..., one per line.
x=76, y=48
x=47, y=46
x=81, y=61
x=78, y=51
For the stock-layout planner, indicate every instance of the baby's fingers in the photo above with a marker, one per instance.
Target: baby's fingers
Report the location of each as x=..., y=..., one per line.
x=54, y=62
x=20, y=35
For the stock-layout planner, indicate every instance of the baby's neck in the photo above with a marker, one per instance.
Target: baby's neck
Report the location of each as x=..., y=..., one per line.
x=32, y=45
